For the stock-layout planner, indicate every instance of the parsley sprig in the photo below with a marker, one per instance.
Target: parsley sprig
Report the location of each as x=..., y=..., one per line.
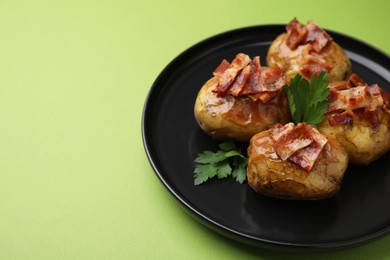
x=308, y=101
x=227, y=161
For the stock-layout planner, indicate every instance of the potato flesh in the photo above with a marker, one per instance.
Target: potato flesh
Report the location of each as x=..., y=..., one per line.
x=238, y=118
x=279, y=55
x=364, y=144
x=267, y=174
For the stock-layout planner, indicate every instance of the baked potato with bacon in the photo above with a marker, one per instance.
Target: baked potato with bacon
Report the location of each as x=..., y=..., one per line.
x=242, y=99
x=307, y=50
x=358, y=117
x=295, y=162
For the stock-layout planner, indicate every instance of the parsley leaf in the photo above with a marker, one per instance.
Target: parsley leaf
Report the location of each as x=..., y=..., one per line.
x=239, y=171
x=308, y=101
x=227, y=161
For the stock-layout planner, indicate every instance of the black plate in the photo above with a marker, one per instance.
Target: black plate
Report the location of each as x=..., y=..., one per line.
x=360, y=212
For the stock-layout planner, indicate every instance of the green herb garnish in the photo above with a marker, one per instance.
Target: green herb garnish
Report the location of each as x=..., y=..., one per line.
x=227, y=161
x=308, y=101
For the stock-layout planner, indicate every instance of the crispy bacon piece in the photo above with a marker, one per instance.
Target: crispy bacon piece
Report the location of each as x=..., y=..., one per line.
x=307, y=156
x=312, y=68
x=221, y=68
x=271, y=79
x=313, y=64
x=354, y=99
x=247, y=77
x=301, y=144
x=317, y=37
x=239, y=82
x=296, y=34
x=290, y=139
x=349, y=99
x=341, y=119
x=227, y=77
x=253, y=84
x=299, y=34
x=355, y=80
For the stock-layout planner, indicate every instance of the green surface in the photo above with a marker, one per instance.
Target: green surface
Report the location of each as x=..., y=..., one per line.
x=75, y=182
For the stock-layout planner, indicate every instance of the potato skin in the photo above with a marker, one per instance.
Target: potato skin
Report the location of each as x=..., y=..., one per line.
x=290, y=61
x=364, y=144
x=268, y=175
x=239, y=118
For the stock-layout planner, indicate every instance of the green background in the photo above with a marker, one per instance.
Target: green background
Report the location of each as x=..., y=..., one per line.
x=75, y=182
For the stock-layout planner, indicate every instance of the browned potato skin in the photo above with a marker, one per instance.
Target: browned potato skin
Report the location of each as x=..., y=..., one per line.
x=238, y=118
x=363, y=143
x=279, y=55
x=268, y=175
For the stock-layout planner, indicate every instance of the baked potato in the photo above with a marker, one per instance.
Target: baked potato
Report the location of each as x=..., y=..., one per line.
x=358, y=117
x=270, y=173
x=238, y=112
x=307, y=50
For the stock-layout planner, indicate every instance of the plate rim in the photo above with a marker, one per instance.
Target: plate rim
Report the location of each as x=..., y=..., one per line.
x=207, y=221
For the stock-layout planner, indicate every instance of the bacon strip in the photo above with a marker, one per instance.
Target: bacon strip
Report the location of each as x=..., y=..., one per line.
x=247, y=77
x=221, y=68
x=253, y=85
x=301, y=144
x=317, y=37
x=289, y=139
x=355, y=80
x=307, y=156
x=313, y=64
x=349, y=99
x=226, y=78
x=340, y=119
x=354, y=99
x=299, y=34
x=296, y=34
x=239, y=82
